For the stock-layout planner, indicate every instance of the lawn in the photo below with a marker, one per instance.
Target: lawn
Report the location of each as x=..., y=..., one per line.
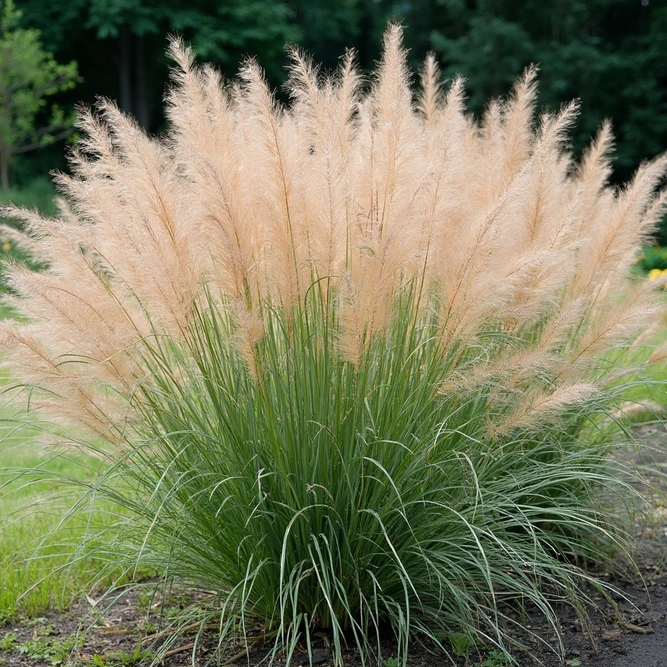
x=644, y=388
x=38, y=568
x=30, y=510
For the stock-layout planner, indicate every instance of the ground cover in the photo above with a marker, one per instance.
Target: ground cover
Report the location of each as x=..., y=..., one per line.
x=39, y=571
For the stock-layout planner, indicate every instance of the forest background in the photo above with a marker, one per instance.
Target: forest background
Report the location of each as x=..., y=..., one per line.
x=610, y=54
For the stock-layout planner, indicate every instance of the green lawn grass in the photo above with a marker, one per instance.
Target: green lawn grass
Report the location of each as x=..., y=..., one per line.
x=38, y=567
x=37, y=542
x=645, y=384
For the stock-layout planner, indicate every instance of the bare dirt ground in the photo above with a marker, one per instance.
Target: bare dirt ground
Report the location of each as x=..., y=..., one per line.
x=631, y=632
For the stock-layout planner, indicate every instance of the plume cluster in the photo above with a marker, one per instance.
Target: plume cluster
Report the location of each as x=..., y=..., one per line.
x=364, y=186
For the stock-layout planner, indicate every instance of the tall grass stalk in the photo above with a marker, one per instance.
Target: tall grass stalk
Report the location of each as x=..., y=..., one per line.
x=347, y=359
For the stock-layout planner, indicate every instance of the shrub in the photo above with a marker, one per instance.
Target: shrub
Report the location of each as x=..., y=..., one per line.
x=346, y=359
x=652, y=258
x=39, y=194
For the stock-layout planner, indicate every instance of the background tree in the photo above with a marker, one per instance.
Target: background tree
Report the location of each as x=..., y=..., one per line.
x=28, y=76
x=120, y=44
x=608, y=53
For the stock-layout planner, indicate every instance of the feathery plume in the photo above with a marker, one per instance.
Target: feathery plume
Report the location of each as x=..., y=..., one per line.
x=369, y=193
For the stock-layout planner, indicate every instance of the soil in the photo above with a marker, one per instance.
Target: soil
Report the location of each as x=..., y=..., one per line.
x=630, y=632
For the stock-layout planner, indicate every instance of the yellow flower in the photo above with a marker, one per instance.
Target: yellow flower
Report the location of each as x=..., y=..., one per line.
x=653, y=274
x=6, y=245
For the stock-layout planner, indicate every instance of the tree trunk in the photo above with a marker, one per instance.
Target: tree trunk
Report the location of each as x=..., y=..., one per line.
x=142, y=106
x=125, y=70
x=133, y=94
x=4, y=169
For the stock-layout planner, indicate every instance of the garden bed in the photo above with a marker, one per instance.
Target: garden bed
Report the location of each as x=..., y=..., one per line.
x=633, y=635
x=637, y=639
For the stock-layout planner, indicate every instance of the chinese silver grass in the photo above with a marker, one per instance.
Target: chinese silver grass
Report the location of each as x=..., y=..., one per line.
x=346, y=359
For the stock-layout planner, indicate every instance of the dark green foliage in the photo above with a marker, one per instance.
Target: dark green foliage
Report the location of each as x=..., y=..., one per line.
x=29, y=77
x=608, y=53
x=652, y=257
x=38, y=194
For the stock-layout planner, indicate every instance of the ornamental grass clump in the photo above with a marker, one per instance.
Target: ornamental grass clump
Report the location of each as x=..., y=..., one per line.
x=346, y=360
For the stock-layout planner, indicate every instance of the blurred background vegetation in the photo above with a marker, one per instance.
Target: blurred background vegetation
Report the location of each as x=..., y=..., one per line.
x=608, y=53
